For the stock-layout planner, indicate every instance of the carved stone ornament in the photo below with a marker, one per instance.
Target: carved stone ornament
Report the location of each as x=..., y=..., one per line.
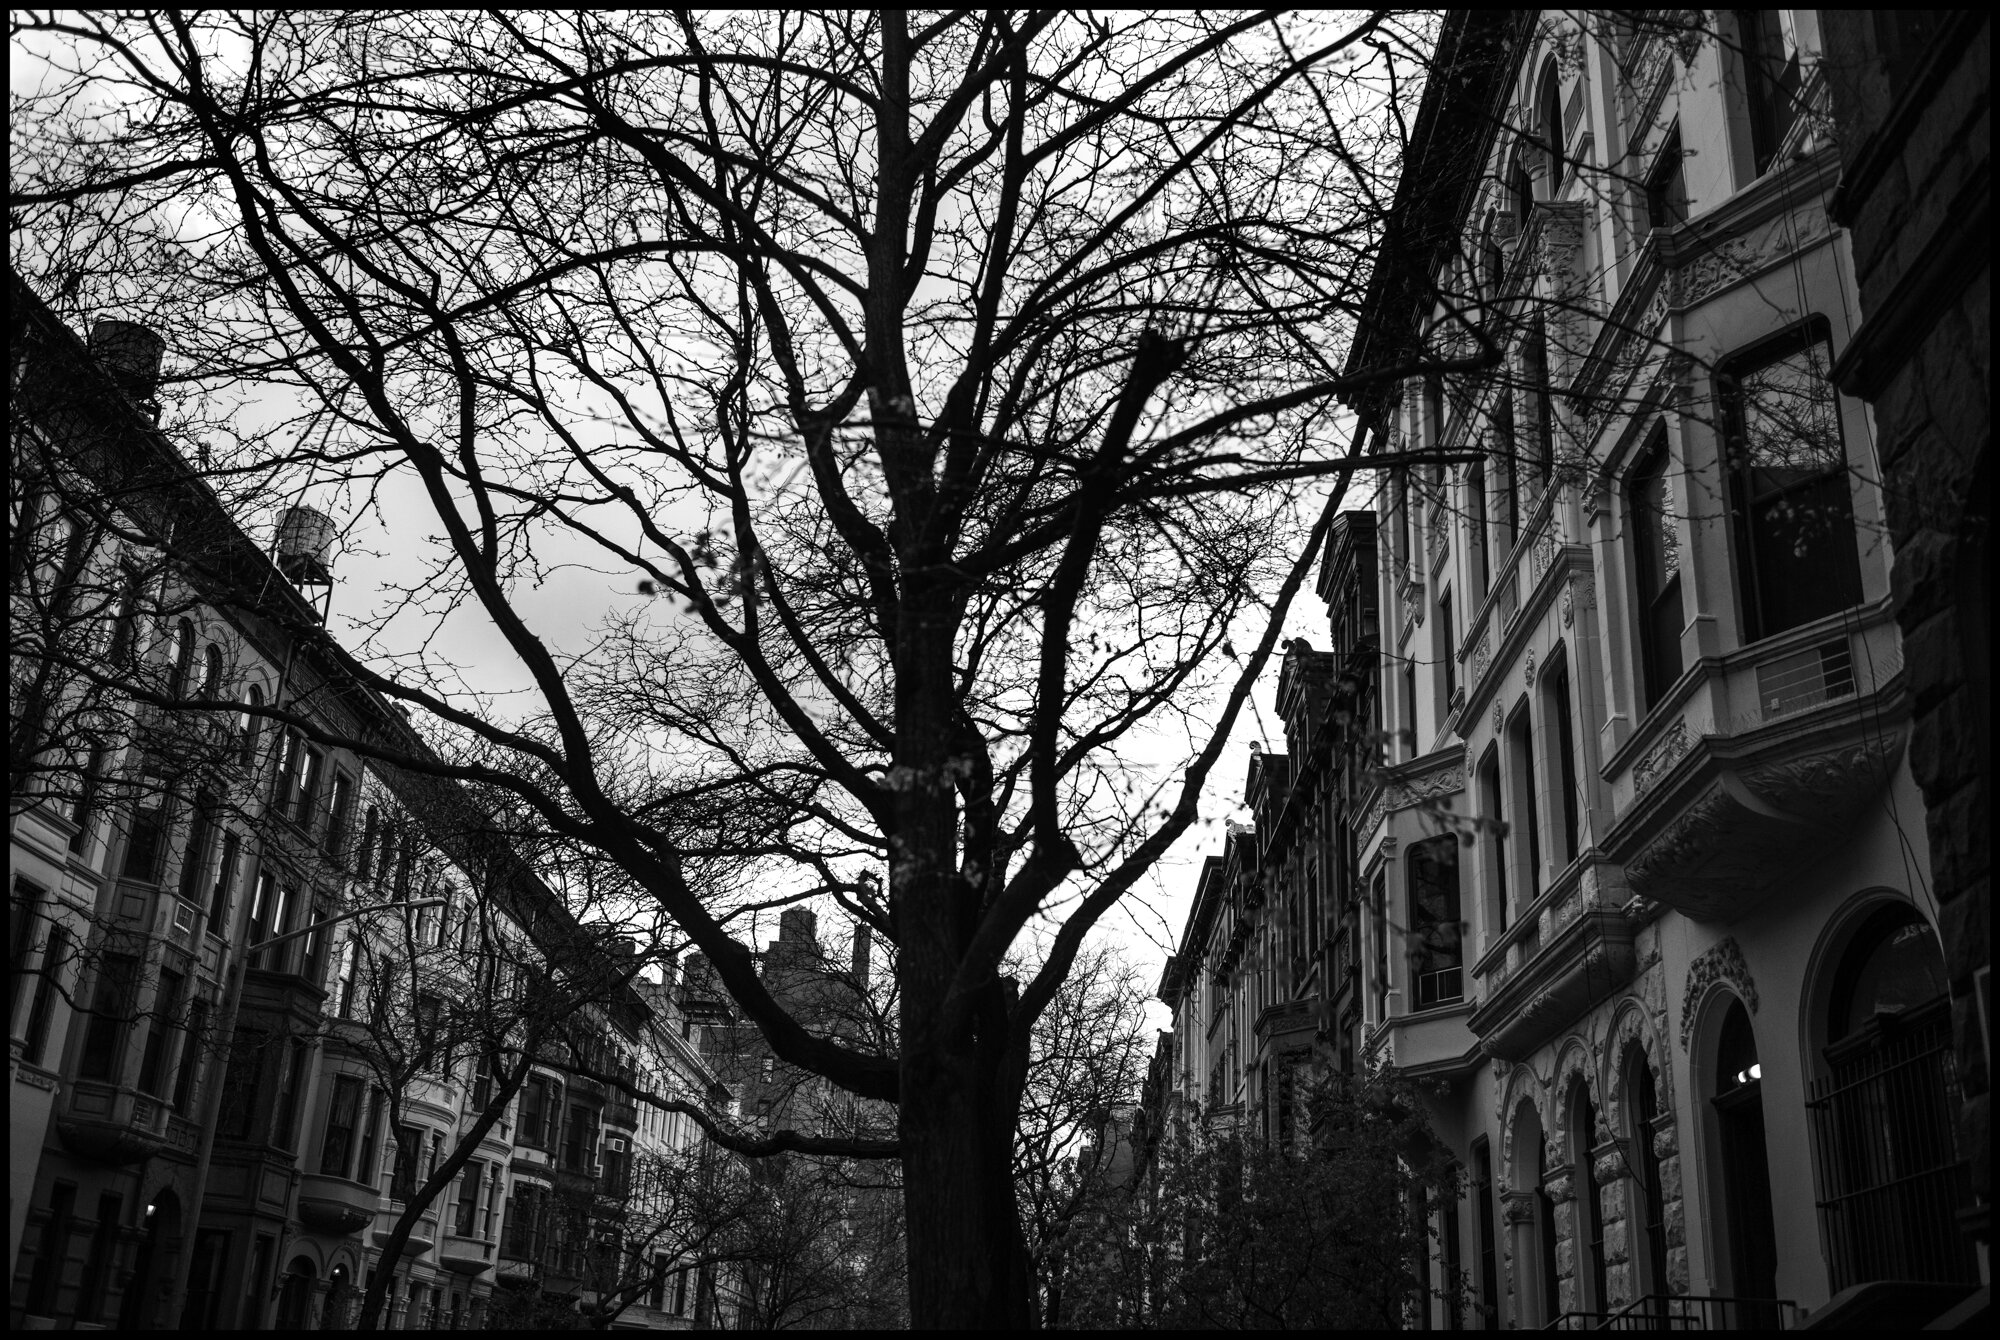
x=1528, y=669
x=1668, y=750
x=1561, y=1187
x=1722, y=962
x=1568, y=609
x=1499, y=720
x=1482, y=656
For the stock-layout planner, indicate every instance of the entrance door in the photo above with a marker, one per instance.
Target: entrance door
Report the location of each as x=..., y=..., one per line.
x=1746, y=1172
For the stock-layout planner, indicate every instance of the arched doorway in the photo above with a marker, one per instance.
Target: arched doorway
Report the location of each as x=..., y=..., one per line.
x=1746, y=1170
x=1647, y=1216
x=1890, y=1182
x=341, y=1302
x=160, y=1225
x=1591, y=1292
x=295, y=1295
x=1531, y=1222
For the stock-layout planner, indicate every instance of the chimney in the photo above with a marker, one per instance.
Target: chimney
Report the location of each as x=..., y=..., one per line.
x=862, y=946
x=131, y=354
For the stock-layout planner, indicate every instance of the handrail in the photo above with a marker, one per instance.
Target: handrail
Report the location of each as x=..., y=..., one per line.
x=1695, y=1312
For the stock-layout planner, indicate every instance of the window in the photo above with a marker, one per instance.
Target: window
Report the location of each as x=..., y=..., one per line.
x=534, y=1111
x=211, y=674
x=1891, y=1181
x=285, y=1121
x=349, y=973
x=1436, y=945
x=263, y=912
x=1509, y=459
x=241, y=1090
x=111, y=1011
x=465, y=1216
x=225, y=881
x=1489, y=1255
x=1537, y=359
x=45, y=1275
x=429, y=1017
x=95, y=1283
x=86, y=798
x=48, y=990
x=371, y=836
x=1770, y=54
x=182, y=674
x=312, y=957
x=250, y=724
x=1479, y=559
x=1656, y=565
x=1410, y=707
x=201, y=840
x=1447, y=650
x=21, y=941
x=285, y=786
x=371, y=1133
x=197, y=1032
x=1666, y=186
x=339, y=818
x=1520, y=186
x=145, y=838
x=311, y=771
x=1556, y=685
x=1549, y=123
x=1521, y=758
x=1797, y=557
x=409, y=1153
x=154, y=1073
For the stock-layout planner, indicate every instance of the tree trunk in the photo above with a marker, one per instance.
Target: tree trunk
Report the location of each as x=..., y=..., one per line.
x=968, y=1261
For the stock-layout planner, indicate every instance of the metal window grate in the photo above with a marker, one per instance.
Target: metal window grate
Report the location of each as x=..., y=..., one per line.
x=1805, y=679
x=1890, y=1182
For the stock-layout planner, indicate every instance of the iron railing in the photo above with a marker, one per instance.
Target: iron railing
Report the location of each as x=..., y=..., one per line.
x=1891, y=1185
x=1685, y=1312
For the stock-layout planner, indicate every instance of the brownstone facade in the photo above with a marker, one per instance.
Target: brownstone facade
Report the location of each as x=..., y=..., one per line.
x=1912, y=102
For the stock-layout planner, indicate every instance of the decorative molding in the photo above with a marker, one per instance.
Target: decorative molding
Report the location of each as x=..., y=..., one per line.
x=1723, y=962
x=1528, y=669
x=1499, y=718
x=1568, y=610
x=1482, y=656
x=1668, y=750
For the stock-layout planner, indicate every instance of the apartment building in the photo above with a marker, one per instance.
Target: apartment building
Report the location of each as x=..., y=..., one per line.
x=262, y=987
x=1265, y=986
x=1642, y=883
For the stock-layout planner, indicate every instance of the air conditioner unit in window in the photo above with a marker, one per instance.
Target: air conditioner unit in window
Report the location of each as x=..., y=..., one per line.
x=615, y=1144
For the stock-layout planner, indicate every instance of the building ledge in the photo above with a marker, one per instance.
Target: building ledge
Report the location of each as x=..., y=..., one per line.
x=1584, y=962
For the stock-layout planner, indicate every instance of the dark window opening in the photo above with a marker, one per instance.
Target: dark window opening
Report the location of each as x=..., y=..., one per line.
x=1798, y=558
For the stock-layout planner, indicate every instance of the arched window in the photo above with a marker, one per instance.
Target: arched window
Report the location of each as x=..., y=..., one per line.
x=211, y=673
x=183, y=669
x=1437, y=950
x=249, y=724
x=1549, y=123
x=1890, y=1184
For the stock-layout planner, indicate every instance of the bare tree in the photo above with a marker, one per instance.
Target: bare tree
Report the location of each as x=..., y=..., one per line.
x=946, y=379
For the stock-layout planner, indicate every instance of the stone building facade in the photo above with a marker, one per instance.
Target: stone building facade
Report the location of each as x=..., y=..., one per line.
x=186, y=976
x=1641, y=882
